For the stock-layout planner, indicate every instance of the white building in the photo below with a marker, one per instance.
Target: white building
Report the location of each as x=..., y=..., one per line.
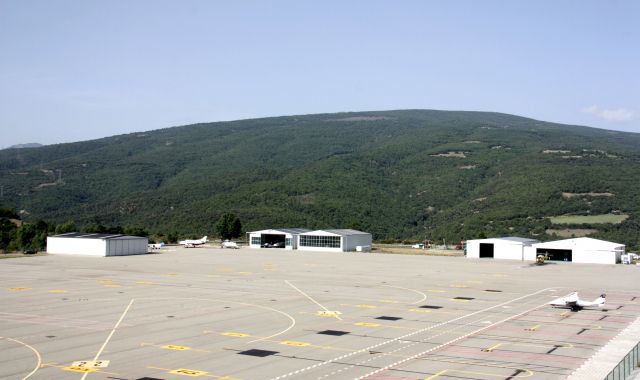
x=90, y=244
x=581, y=250
x=286, y=238
x=334, y=240
x=511, y=248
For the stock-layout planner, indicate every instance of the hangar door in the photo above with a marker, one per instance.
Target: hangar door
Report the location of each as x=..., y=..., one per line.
x=556, y=254
x=486, y=250
x=272, y=241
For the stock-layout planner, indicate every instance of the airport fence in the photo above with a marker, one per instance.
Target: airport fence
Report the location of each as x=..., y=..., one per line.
x=627, y=365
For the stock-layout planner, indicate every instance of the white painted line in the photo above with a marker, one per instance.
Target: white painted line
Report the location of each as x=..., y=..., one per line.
x=311, y=299
x=424, y=296
x=446, y=344
x=366, y=349
x=95, y=358
x=34, y=351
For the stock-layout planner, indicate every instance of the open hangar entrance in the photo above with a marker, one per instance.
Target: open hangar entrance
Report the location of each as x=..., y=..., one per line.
x=486, y=250
x=285, y=238
x=556, y=254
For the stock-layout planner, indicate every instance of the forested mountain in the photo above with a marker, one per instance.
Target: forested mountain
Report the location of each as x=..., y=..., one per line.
x=410, y=174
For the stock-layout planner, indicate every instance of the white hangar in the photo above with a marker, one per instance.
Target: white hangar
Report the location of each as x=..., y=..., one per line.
x=512, y=248
x=91, y=244
x=286, y=238
x=334, y=240
x=581, y=250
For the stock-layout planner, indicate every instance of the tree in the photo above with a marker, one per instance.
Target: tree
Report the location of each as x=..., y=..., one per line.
x=229, y=226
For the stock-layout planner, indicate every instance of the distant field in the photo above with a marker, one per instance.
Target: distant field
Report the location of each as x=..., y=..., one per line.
x=590, y=219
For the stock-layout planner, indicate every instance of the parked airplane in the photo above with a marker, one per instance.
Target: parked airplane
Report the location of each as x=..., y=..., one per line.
x=156, y=245
x=573, y=302
x=193, y=243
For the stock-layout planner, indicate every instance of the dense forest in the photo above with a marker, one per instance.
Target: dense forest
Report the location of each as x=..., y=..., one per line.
x=412, y=174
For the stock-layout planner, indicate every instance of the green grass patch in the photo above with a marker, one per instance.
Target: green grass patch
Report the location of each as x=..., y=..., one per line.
x=589, y=219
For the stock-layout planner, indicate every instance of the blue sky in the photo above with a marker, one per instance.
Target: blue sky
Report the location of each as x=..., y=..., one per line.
x=78, y=70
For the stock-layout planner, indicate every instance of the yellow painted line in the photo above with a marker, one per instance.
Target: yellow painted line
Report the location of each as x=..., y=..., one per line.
x=529, y=373
x=112, y=286
x=436, y=375
x=365, y=306
x=421, y=310
x=235, y=334
x=18, y=289
x=459, y=300
x=367, y=324
x=144, y=282
x=565, y=313
x=188, y=372
x=105, y=280
x=490, y=349
x=436, y=291
x=171, y=274
x=389, y=301
x=458, y=286
x=177, y=348
x=57, y=291
x=295, y=344
x=245, y=273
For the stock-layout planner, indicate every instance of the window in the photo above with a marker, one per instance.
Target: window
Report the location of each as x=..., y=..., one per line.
x=320, y=241
x=287, y=242
x=255, y=240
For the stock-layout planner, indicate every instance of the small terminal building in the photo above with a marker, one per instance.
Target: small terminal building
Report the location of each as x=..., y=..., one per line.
x=91, y=244
x=510, y=248
x=286, y=238
x=581, y=250
x=335, y=241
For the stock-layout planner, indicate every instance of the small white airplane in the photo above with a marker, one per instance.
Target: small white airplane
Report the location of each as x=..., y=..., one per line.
x=573, y=302
x=156, y=245
x=193, y=243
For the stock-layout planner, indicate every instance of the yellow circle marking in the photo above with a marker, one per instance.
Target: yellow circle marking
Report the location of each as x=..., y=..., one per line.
x=235, y=334
x=295, y=344
x=79, y=369
x=178, y=348
x=188, y=372
x=18, y=289
x=420, y=310
x=367, y=324
x=364, y=306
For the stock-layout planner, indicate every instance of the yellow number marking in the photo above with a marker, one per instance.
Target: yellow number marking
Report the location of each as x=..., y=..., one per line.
x=79, y=369
x=90, y=364
x=327, y=313
x=188, y=372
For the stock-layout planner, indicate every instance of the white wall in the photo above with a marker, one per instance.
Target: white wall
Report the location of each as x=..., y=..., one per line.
x=595, y=257
x=71, y=246
x=502, y=249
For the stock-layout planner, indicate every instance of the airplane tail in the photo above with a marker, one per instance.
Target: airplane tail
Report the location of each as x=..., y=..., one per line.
x=204, y=239
x=600, y=300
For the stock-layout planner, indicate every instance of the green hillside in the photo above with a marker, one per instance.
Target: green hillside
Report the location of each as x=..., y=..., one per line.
x=411, y=174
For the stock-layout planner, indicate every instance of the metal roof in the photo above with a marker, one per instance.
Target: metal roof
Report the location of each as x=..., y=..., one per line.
x=82, y=235
x=292, y=231
x=341, y=232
